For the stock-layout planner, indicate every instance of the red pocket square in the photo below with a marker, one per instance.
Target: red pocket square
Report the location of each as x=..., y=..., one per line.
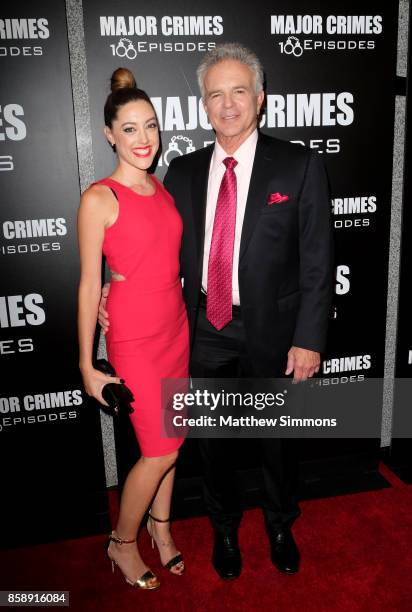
x=276, y=198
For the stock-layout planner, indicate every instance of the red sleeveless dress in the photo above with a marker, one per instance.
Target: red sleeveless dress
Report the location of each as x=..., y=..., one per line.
x=148, y=335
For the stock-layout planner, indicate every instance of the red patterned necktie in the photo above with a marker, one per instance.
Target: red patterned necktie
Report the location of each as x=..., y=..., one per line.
x=220, y=267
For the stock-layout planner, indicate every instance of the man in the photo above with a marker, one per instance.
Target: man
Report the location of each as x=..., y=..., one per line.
x=256, y=261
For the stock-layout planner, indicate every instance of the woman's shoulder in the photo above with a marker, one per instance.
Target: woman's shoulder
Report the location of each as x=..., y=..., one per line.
x=98, y=189
x=97, y=196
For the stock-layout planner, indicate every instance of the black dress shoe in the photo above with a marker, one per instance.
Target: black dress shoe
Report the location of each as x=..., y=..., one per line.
x=284, y=552
x=226, y=557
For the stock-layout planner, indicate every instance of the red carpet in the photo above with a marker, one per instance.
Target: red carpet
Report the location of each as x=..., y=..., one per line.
x=356, y=556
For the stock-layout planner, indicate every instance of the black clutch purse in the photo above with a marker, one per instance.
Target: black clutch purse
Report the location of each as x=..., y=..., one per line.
x=117, y=396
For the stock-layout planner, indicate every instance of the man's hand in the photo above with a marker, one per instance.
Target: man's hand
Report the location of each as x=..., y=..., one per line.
x=303, y=363
x=103, y=315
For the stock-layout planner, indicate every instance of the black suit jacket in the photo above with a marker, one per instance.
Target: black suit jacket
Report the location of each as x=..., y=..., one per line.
x=285, y=262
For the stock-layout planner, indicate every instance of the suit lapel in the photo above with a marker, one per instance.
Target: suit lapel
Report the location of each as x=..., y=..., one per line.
x=198, y=198
x=261, y=174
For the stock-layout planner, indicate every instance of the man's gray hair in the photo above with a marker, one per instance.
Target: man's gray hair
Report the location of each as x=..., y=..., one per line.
x=230, y=51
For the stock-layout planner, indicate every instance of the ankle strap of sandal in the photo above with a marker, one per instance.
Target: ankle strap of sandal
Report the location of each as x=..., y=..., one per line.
x=114, y=538
x=159, y=520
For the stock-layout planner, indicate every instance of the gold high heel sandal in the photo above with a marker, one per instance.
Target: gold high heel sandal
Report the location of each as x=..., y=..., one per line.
x=174, y=560
x=147, y=581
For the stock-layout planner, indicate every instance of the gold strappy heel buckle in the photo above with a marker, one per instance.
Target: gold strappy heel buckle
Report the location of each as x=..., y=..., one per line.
x=174, y=561
x=147, y=581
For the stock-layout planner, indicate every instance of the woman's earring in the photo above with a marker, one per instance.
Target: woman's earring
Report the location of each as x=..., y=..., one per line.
x=113, y=147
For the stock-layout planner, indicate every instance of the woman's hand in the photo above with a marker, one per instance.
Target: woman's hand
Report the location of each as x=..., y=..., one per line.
x=94, y=381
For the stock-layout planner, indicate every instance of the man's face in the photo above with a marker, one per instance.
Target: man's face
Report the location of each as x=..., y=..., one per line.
x=230, y=100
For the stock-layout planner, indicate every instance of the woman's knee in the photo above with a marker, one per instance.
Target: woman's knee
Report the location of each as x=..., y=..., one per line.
x=170, y=459
x=164, y=462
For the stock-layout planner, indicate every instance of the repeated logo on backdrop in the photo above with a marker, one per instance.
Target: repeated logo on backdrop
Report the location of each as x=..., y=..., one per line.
x=301, y=110
x=353, y=212
x=13, y=128
x=298, y=34
x=343, y=370
x=12, y=125
x=24, y=37
x=20, y=311
x=167, y=34
x=31, y=236
x=51, y=407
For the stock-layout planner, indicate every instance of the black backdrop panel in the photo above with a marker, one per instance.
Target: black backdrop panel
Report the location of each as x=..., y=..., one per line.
x=53, y=482
x=329, y=83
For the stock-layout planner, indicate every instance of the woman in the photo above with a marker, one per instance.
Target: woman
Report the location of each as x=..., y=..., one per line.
x=132, y=219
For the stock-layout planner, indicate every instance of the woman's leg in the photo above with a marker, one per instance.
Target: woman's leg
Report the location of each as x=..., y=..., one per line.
x=138, y=491
x=161, y=531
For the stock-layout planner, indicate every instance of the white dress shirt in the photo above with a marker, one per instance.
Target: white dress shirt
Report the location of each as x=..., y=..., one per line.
x=244, y=156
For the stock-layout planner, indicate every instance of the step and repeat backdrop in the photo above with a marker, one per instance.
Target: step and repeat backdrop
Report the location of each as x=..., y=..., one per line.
x=51, y=456
x=329, y=86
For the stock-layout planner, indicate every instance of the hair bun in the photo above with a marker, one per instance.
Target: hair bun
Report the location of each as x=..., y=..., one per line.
x=122, y=78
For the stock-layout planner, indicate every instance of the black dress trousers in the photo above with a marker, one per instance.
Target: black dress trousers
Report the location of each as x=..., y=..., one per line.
x=223, y=354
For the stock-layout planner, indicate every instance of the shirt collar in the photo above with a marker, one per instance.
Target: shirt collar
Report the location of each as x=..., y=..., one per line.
x=243, y=155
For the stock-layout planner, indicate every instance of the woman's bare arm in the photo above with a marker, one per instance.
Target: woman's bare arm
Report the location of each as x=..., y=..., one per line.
x=95, y=213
